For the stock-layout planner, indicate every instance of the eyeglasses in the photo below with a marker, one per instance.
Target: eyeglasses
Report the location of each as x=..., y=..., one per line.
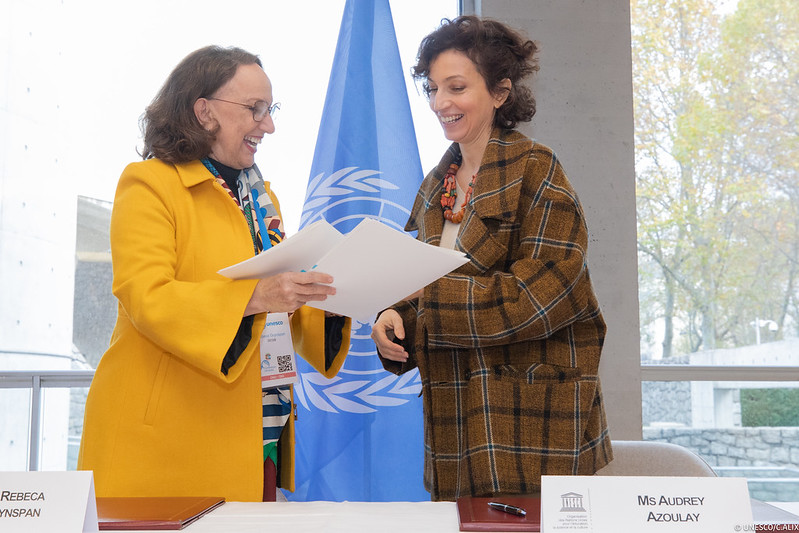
x=259, y=110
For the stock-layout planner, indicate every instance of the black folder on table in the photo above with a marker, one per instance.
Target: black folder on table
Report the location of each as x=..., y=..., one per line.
x=156, y=513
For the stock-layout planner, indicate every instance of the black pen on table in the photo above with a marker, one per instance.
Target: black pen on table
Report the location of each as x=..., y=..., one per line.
x=505, y=508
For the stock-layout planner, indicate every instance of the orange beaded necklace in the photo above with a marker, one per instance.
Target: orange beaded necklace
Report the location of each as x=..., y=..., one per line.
x=450, y=193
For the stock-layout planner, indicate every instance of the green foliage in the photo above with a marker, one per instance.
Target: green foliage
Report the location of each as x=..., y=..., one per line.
x=769, y=407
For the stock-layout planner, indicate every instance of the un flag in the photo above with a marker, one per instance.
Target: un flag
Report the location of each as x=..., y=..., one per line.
x=359, y=435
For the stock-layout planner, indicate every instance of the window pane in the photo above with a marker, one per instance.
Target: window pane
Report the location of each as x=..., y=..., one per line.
x=717, y=179
x=62, y=424
x=55, y=428
x=743, y=429
x=14, y=429
x=77, y=404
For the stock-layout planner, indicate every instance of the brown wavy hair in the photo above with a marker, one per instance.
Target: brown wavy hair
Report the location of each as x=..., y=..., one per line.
x=497, y=51
x=171, y=130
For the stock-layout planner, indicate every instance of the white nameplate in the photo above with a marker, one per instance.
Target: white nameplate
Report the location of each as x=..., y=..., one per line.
x=610, y=504
x=47, y=502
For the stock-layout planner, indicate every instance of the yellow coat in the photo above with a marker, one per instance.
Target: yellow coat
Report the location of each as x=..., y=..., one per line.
x=161, y=418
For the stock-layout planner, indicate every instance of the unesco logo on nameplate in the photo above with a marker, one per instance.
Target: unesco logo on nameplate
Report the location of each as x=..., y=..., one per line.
x=610, y=504
x=47, y=502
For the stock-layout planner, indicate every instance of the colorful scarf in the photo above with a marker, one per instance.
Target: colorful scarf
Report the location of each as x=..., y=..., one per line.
x=262, y=218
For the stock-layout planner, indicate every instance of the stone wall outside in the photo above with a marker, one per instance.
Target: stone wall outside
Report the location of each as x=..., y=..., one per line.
x=748, y=448
x=664, y=402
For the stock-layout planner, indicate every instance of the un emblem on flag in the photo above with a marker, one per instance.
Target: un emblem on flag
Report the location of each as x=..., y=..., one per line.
x=344, y=198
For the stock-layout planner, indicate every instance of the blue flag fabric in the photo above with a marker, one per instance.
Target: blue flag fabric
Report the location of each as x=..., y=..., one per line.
x=359, y=435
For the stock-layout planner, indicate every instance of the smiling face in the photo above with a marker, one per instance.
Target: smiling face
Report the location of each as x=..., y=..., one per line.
x=239, y=134
x=461, y=100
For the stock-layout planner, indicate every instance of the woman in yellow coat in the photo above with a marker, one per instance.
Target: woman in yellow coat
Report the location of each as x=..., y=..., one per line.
x=176, y=407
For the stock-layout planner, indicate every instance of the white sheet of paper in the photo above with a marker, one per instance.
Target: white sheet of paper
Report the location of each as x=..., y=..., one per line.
x=376, y=266
x=373, y=266
x=49, y=502
x=296, y=253
x=610, y=504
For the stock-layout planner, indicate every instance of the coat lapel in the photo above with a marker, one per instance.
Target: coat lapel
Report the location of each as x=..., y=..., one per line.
x=192, y=173
x=427, y=215
x=496, y=193
x=499, y=180
x=496, y=199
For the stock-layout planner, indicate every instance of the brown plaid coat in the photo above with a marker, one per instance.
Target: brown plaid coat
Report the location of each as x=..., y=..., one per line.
x=508, y=345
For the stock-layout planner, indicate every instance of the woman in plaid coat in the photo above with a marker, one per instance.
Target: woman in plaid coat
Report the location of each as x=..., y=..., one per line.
x=508, y=345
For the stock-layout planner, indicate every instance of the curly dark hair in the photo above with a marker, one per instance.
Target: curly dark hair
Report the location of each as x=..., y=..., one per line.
x=497, y=51
x=171, y=130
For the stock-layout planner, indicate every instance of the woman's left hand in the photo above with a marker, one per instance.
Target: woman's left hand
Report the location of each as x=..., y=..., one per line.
x=387, y=327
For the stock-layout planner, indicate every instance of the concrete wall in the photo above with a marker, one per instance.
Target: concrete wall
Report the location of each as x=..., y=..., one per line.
x=37, y=203
x=585, y=113
x=37, y=227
